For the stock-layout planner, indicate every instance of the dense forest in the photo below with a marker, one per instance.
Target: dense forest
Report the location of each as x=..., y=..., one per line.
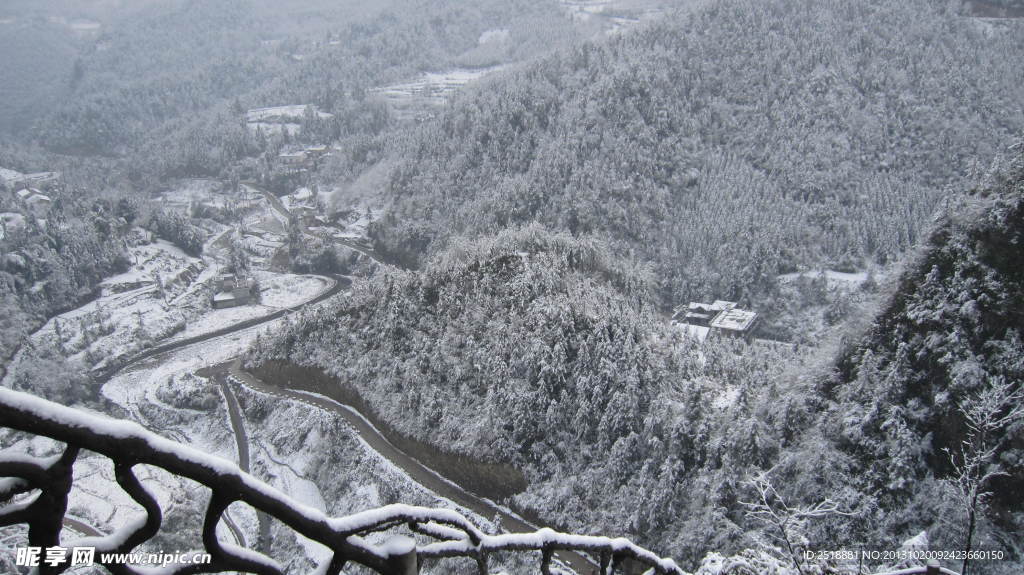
x=170, y=109
x=52, y=266
x=782, y=135
x=669, y=165
x=540, y=350
x=934, y=389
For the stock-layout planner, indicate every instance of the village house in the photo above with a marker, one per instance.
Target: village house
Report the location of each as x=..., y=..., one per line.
x=317, y=152
x=35, y=201
x=234, y=291
x=299, y=159
x=38, y=181
x=720, y=318
x=306, y=215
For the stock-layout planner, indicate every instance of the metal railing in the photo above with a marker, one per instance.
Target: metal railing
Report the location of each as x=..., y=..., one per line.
x=35, y=493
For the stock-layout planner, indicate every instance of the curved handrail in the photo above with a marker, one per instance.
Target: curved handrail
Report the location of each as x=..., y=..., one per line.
x=128, y=444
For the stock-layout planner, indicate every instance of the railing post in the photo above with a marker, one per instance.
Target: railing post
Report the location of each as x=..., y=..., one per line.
x=401, y=559
x=606, y=558
x=546, y=553
x=50, y=506
x=617, y=560
x=932, y=567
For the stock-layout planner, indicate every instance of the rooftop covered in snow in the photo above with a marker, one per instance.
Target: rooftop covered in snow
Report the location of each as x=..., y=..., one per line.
x=734, y=320
x=700, y=320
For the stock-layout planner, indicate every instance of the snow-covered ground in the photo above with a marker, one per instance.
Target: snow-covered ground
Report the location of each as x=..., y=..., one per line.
x=191, y=191
x=277, y=291
x=695, y=332
x=158, y=262
x=263, y=246
x=431, y=90
x=302, y=197
x=278, y=113
x=417, y=99
x=166, y=291
x=162, y=291
x=166, y=396
x=315, y=457
x=262, y=217
x=352, y=227
x=274, y=128
x=211, y=194
x=436, y=86
x=82, y=26
x=166, y=296
x=617, y=16
x=8, y=174
x=494, y=35
x=297, y=449
x=834, y=278
x=275, y=119
x=289, y=290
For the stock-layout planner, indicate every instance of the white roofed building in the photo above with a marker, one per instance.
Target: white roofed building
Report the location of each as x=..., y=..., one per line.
x=234, y=291
x=40, y=180
x=35, y=201
x=738, y=321
x=703, y=320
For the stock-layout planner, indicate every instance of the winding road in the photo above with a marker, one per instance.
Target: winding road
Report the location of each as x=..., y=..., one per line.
x=242, y=442
x=242, y=446
x=338, y=283
x=230, y=373
x=81, y=527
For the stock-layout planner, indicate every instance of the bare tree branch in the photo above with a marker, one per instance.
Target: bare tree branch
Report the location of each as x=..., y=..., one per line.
x=790, y=522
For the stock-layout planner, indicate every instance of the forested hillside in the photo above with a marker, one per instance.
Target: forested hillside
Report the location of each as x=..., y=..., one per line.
x=727, y=145
x=37, y=56
x=935, y=389
x=700, y=158
x=549, y=295
x=166, y=85
x=539, y=350
x=52, y=266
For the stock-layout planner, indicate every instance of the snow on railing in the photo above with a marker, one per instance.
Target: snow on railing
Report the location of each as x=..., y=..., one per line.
x=128, y=444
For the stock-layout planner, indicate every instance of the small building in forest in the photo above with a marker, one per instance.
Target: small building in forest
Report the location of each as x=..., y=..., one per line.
x=299, y=159
x=702, y=320
x=40, y=180
x=35, y=201
x=234, y=291
x=317, y=152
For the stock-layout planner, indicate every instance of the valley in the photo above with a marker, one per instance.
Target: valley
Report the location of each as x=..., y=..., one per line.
x=729, y=281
